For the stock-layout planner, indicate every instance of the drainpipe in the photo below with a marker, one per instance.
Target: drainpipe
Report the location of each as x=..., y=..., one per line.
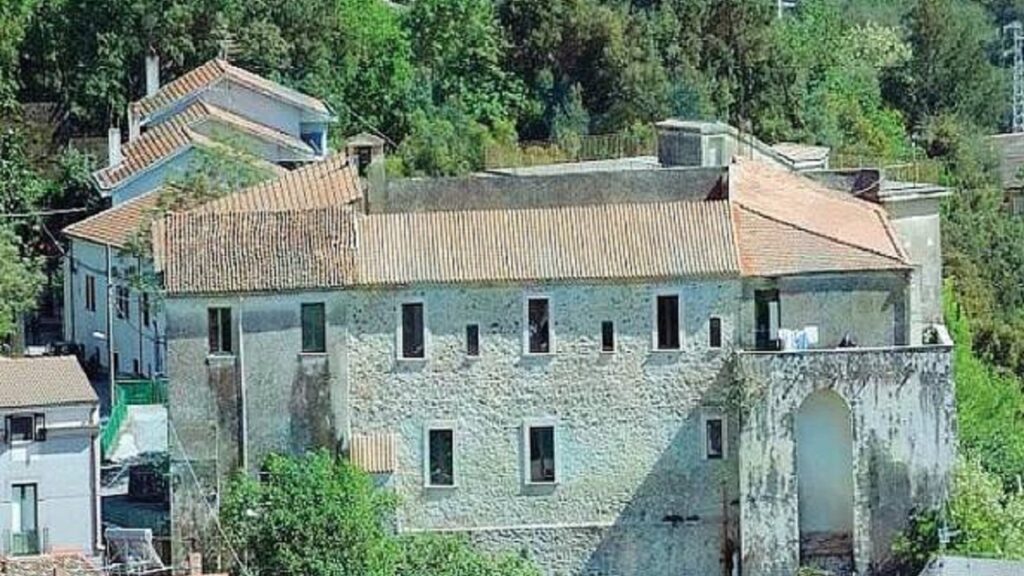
x=142, y=328
x=110, y=328
x=241, y=385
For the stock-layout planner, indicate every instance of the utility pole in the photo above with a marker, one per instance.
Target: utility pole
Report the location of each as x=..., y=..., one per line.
x=1018, y=73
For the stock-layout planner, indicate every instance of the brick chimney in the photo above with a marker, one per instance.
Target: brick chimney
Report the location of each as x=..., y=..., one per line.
x=114, y=156
x=152, y=74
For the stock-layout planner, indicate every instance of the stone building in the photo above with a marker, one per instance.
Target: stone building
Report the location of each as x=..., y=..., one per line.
x=673, y=370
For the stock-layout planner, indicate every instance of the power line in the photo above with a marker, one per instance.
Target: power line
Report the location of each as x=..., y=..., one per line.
x=54, y=212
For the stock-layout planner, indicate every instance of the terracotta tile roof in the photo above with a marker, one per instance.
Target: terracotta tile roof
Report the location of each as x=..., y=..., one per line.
x=180, y=133
x=331, y=182
x=115, y=226
x=782, y=217
x=44, y=381
x=657, y=240
x=216, y=252
x=209, y=74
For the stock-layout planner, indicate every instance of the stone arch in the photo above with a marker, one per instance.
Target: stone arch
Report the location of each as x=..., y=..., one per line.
x=824, y=466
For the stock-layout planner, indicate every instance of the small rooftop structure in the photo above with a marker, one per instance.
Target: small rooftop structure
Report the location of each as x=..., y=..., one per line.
x=44, y=381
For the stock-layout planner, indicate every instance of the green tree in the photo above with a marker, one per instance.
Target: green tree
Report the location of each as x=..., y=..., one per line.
x=20, y=280
x=14, y=16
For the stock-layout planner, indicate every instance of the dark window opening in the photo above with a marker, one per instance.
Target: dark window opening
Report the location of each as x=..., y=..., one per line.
x=21, y=428
x=413, y=341
x=715, y=442
x=473, y=340
x=364, y=156
x=542, y=454
x=117, y=362
x=90, y=293
x=766, y=319
x=123, y=299
x=539, y=320
x=220, y=330
x=145, y=309
x=135, y=366
x=607, y=336
x=441, y=448
x=313, y=328
x=715, y=333
x=668, y=322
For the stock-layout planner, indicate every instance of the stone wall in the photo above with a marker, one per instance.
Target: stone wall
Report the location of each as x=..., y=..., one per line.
x=904, y=434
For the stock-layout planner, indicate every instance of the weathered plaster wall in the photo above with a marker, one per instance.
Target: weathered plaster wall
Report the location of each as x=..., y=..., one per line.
x=919, y=227
x=870, y=307
x=903, y=417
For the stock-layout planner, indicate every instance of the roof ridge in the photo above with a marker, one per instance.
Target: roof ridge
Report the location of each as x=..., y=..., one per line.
x=901, y=259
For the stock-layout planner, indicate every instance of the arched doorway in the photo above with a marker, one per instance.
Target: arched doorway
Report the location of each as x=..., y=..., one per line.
x=824, y=464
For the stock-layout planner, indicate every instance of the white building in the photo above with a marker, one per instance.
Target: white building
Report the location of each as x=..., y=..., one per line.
x=49, y=458
x=215, y=105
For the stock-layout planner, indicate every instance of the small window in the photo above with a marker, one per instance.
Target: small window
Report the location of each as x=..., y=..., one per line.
x=714, y=438
x=26, y=427
x=90, y=292
x=715, y=332
x=135, y=366
x=667, y=319
x=313, y=328
x=541, y=446
x=538, y=318
x=413, y=337
x=123, y=300
x=220, y=330
x=144, y=309
x=473, y=340
x=117, y=362
x=441, y=457
x=607, y=336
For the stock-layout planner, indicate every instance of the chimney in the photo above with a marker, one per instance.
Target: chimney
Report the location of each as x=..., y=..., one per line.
x=152, y=74
x=114, y=146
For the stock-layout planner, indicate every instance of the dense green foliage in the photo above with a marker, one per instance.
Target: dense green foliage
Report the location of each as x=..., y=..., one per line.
x=317, y=515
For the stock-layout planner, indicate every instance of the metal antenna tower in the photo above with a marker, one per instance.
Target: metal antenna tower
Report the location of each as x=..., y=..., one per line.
x=1018, y=74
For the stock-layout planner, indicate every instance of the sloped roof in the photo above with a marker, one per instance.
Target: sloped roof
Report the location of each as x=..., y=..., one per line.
x=178, y=134
x=796, y=152
x=213, y=71
x=215, y=252
x=658, y=240
x=331, y=182
x=789, y=224
x=115, y=226
x=772, y=223
x=43, y=381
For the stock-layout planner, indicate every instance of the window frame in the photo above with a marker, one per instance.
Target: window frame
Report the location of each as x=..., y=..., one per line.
x=615, y=341
x=399, y=332
x=37, y=428
x=680, y=320
x=90, y=293
x=529, y=425
x=123, y=302
x=711, y=333
x=220, y=349
x=322, y=327
x=469, y=354
x=438, y=426
x=144, y=310
x=527, y=298
x=706, y=418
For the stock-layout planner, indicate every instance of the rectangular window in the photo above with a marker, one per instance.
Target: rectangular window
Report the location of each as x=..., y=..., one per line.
x=313, y=328
x=144, y=309
x=538, y=318
x=21, y=428
x=766, y=319
x=90, y=292
x=441, y=457
x=135, y=366
x=667, y=320
x=24, y=525
x=219, y=326
x=715, y=333
x=714, y=438
x=473, y=340
x=123, y=299
x=607, y=336
x=541, y=451
x=117, y=363
x=413, y=331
